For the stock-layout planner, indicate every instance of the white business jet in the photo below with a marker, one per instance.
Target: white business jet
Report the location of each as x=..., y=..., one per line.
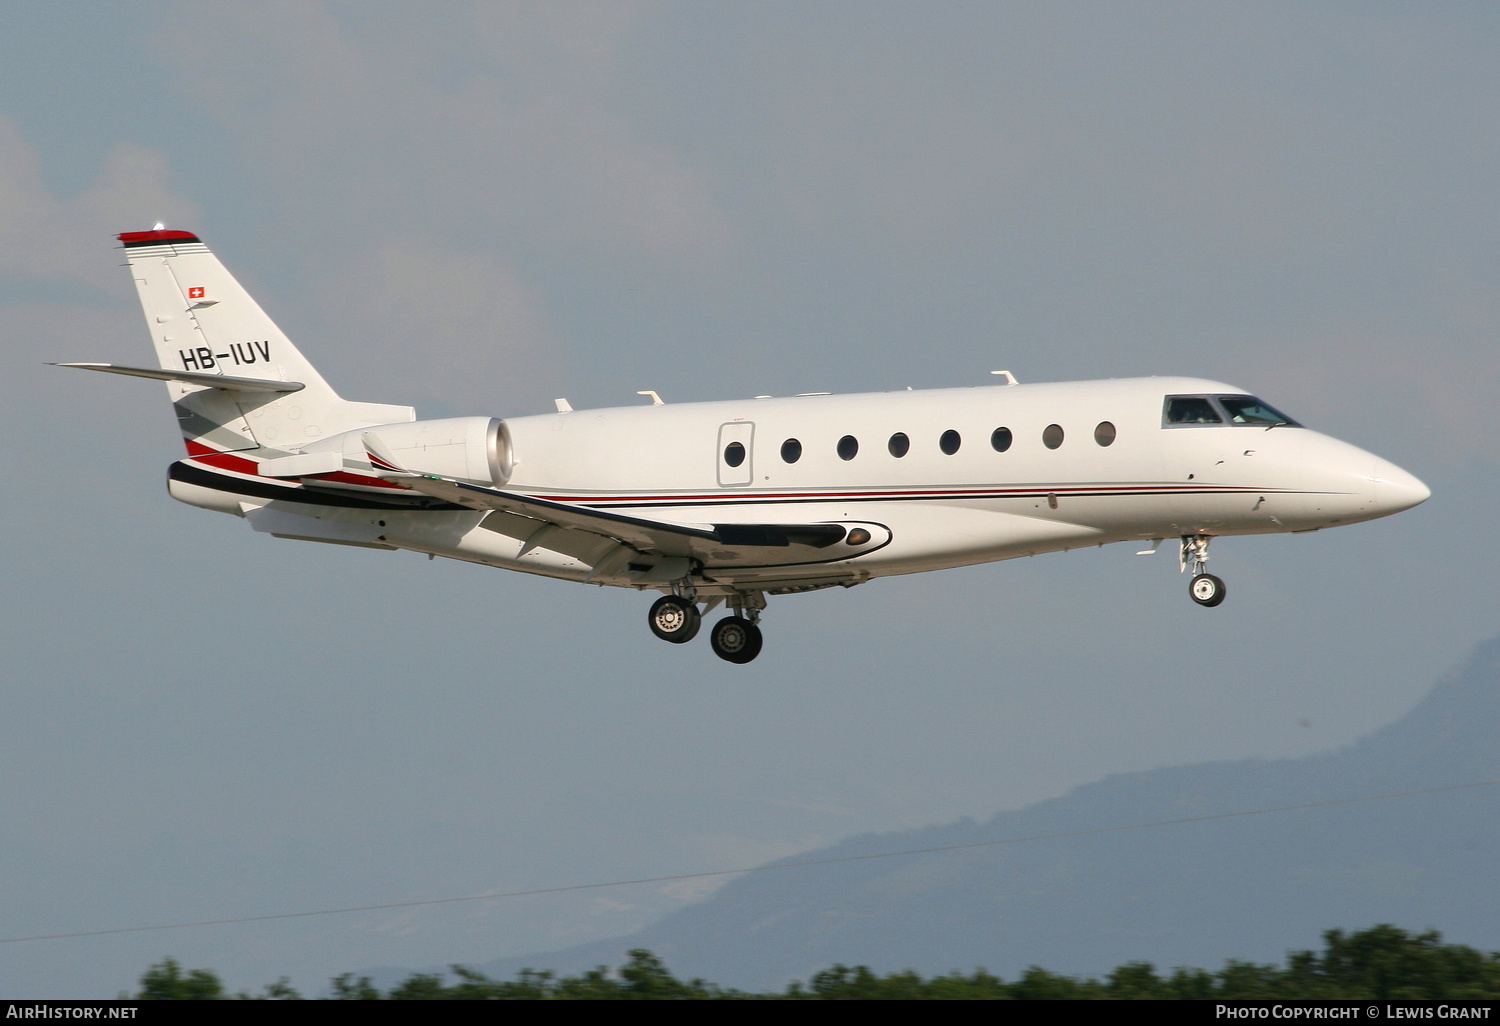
x=726, y=503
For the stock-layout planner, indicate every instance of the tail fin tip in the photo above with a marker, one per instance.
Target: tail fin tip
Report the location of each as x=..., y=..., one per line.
x=155, y=236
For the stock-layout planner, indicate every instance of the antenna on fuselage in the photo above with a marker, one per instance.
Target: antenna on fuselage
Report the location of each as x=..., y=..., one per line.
x=1010, y=379
x=656, y=400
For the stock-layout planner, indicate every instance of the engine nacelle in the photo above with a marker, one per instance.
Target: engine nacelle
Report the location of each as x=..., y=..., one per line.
x=475, y=449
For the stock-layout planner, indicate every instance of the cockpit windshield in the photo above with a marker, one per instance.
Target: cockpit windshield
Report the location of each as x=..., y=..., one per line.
x=1191, y=409
x=1233, y=410
x=1246, y=409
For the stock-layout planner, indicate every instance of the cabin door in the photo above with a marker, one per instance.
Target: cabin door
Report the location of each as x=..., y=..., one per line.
x=735, y=452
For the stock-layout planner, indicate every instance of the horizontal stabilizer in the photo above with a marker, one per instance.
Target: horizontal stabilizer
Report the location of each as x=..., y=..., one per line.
x=224, y=381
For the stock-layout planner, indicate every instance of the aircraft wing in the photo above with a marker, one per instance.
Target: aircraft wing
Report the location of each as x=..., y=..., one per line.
x=664, y=536
x=667, y=537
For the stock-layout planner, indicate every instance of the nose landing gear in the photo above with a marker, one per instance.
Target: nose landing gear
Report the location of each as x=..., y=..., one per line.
x=1205, y=589
x=735, y=639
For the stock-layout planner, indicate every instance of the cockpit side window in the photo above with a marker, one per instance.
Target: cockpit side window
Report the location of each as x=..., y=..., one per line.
x=1190, y=409
x=1250, y=411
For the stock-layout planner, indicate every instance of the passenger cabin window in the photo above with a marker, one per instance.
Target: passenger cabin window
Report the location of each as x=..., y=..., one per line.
x=1191, y=409
x=950, y=442
x=848, y=447
x=899, y=445
x=791, y=451
x=1001, y=439
x=734, y=454
x=1104, y=434
x=1052, y=436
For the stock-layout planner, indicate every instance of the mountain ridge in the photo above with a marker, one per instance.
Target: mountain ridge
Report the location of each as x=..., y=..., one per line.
x=1174, y=893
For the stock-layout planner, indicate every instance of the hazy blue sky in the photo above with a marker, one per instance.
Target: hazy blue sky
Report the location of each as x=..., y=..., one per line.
x=478, y=207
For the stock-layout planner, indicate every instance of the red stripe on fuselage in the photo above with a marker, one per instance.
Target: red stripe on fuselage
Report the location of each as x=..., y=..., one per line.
x=201, y=453
x=223, y=460
x=979, y=491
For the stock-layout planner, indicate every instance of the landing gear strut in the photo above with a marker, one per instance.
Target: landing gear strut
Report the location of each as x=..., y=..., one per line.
x=1205, y=588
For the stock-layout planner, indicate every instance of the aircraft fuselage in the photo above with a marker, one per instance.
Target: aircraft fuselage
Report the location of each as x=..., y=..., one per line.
x=926, y=509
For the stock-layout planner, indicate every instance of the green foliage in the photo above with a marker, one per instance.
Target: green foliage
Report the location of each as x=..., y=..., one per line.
x=1137, y=981
x=1190, y=985
x=646, y=979
x=1381, y=963
x=347, y=988
x=1386, y=963
x=421, y=987
x=841, y=983
x=643, y=977
x=165, y=981
x=1037, y=984
x=281, y=990
x=978, y=986
x=1246, y=981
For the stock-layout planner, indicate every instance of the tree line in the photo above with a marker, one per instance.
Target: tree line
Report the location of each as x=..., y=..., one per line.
x=1383, y=963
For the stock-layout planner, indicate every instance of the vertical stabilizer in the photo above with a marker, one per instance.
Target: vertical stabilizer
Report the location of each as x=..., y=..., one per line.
x=203, y=322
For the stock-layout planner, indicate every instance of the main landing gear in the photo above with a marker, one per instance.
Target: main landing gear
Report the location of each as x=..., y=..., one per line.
x=735, y=639
x=675, y=619
x=1205, y=588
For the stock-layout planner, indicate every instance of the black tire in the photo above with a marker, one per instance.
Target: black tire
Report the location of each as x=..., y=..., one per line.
x=1206, y=590
x=674, y=619
x=735, y=639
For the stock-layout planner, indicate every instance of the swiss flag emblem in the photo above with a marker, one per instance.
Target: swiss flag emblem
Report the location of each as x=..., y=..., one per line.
x=196, y=292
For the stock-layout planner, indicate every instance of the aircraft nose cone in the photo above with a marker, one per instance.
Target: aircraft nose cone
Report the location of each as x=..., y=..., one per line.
x=1396, y=490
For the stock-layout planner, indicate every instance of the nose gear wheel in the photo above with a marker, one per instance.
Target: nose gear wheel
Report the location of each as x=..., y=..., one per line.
x=1206, y=590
